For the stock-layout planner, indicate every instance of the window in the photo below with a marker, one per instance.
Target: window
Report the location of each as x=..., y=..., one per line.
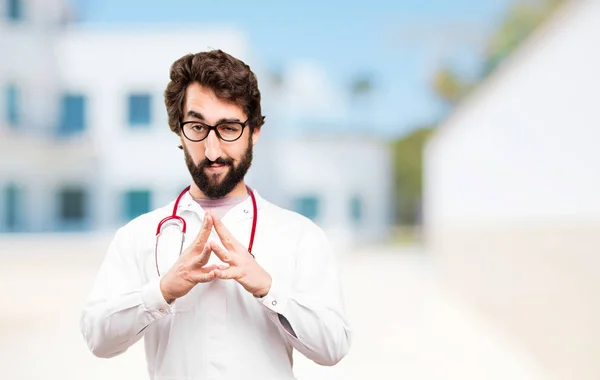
x=139, y=110
x=307, y=206
x=72, y=114
x=356, y=209
x=72, y=203
x=12, y=200
x=12, y=105
x=14, y=10
x=136, y=203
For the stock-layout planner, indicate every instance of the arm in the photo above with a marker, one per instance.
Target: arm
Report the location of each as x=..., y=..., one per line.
x=311, y=313
x=119, y=307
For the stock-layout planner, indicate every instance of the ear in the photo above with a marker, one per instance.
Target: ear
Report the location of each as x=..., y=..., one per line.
x=180, y=146
x=255, y=135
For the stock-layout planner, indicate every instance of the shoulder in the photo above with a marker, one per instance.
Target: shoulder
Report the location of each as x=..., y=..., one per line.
x=131, y=237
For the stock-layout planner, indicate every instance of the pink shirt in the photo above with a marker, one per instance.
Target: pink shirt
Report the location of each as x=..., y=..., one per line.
x=221, y=206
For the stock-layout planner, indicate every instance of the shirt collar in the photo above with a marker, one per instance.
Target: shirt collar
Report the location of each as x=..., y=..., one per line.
x=241, y=211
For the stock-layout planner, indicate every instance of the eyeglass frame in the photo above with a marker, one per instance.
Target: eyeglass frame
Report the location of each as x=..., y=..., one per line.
x=214, y=128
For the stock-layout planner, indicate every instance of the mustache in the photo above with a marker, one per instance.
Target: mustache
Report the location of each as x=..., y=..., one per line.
x=219, y=161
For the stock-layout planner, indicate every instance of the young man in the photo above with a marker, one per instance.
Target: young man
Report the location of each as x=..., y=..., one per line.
x=249, y=283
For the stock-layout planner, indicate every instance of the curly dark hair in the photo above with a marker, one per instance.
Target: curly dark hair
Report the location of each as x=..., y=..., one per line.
x=230, y=79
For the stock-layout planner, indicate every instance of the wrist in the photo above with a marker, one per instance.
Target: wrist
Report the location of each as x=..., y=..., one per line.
x=262, y=292
x=169, y=298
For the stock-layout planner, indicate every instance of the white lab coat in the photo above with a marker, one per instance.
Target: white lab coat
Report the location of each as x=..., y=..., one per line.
x=219, y=330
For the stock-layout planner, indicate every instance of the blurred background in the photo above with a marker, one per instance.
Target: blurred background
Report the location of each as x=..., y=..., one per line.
x=448, y=149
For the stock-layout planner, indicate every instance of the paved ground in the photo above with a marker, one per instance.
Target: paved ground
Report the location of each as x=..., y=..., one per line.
x=405, y=327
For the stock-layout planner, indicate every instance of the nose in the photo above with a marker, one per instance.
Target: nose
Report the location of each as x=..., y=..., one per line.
x=212, y=146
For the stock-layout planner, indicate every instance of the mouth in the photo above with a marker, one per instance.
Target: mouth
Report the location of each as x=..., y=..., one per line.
x=216, y=169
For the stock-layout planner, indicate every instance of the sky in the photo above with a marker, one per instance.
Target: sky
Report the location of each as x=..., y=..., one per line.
x=398, y=44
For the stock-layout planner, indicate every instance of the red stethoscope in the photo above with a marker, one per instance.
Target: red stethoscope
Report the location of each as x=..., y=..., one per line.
x=179, y=223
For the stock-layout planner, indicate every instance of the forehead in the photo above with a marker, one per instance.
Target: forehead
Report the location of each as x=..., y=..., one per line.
x=202, y=100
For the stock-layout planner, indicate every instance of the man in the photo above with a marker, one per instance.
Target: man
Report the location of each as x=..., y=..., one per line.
x=251, y=281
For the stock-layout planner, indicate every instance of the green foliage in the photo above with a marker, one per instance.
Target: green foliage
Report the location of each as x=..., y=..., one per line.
x=408, y=168
x=521, y=19
x=360, y=86
x=448, y=85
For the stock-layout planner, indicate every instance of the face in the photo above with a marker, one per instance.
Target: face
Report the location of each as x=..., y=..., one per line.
x=217, y=167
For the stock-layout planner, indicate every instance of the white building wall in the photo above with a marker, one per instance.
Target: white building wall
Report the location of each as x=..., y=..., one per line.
x=511, y=196
x=28, y=56
x=537, y=124
x=26, y=153
x=336, y=170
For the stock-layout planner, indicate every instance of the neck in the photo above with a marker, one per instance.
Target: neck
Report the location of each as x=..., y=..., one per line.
x=238, y=191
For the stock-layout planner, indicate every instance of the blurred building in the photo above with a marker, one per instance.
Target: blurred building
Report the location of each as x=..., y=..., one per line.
x=512, y=205
x=342, y=183
x=85, y=144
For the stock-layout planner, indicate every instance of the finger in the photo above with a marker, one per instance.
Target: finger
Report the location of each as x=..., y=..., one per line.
x=226, y=237
x=221, y=252
x=204, y=255
x=205, y=229
x=211, y=267
x=230, y=273
x=201, y=276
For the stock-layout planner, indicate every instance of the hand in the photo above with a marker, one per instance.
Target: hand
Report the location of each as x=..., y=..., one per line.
x=242, y=266
x=189, y=269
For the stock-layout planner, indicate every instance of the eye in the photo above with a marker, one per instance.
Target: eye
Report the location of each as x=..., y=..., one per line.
x=197, y=127
x=229, y=127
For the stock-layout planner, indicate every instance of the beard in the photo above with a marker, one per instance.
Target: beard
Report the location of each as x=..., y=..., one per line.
x=209, y=184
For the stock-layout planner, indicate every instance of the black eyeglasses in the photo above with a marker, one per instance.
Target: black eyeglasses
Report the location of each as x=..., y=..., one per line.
x=227, y=131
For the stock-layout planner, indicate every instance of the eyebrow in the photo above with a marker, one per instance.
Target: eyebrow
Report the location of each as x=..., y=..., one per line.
x=198, y=115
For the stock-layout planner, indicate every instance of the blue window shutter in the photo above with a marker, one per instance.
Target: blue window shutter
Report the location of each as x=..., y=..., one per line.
x=307, y=206
x=139, y=107
x=15, y=10
x=136, y=203
x=72, y=205
x=73, y=115
x=12, y=105
x=356, y=209
x=12, y=202
x=73, y=212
